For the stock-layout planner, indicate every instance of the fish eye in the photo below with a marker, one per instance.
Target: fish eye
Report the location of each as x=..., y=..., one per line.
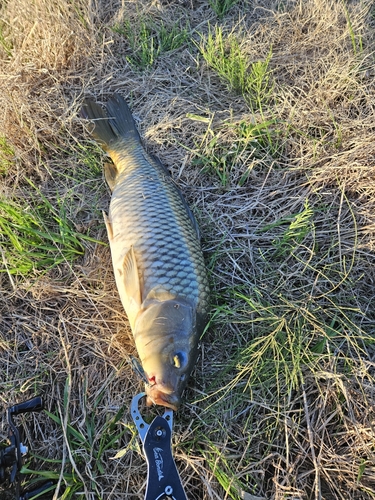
x=180, y=359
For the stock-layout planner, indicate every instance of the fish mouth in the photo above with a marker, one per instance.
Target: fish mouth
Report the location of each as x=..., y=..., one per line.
x=157, y=396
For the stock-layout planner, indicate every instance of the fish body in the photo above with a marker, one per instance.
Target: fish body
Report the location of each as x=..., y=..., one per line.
x=156, y=254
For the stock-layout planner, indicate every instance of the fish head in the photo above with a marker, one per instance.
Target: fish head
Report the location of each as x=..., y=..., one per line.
x=167, y=375
x=166, y=339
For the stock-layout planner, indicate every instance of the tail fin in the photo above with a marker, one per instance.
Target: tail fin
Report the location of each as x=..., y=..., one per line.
x=114, y=123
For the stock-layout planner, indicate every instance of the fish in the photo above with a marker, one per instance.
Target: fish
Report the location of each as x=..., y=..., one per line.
x=156, y=253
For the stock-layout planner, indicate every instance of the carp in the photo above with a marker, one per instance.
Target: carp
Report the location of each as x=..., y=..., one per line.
x=157, y=258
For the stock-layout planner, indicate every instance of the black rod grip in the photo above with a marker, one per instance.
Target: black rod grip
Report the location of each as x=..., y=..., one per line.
x=37, y=491
x=34, y=404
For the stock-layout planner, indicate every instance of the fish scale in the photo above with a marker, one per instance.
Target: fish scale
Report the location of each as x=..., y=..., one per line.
x=172, y=240
x=156, y=254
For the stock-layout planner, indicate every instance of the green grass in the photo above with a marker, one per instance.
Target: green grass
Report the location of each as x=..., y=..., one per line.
x=259, y=85
x=224, y=54
x=221, y=7
x=273, y=358
x=356, y=39
x=88, y=444
x=89, y=162
x=283, y=344
x=149, y=39
x=222, y=471
x=4, y=42
x=299, y=225
x=6, y=156
x=37, y=236
x=231, y=159
x=286, y=333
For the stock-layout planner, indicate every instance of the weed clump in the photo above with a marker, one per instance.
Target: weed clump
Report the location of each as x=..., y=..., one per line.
x=221, y=7
x=251, y=79
x=36, y=236
x=233, y=152
x=148, y=40
x=6, y=156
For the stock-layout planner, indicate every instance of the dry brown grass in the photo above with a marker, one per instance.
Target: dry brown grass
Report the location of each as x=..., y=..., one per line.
x=296, y=420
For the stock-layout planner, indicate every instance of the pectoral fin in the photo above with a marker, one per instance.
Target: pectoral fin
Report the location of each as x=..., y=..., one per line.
x=110, y=174
x=108, y=225
x=130, y=278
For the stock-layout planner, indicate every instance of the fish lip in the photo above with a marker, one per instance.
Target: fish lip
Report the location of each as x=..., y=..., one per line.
x=162, y=398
